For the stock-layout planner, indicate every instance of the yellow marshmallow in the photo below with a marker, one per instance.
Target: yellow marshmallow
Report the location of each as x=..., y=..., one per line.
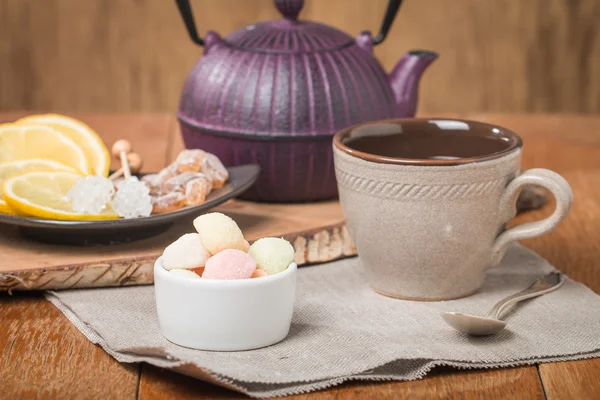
x=272, y=255
x=219, y=232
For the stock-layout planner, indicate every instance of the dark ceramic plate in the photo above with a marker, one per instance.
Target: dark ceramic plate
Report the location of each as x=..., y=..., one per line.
x=127, y=230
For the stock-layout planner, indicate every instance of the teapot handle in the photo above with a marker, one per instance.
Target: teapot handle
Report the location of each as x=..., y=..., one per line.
x=185, y=9
x=388, y=19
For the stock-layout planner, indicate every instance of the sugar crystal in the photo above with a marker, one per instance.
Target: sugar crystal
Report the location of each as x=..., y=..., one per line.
x=132, y=199
x=90, y=194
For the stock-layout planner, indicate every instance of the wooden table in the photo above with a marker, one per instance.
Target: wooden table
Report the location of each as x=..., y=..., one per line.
x=43, y=356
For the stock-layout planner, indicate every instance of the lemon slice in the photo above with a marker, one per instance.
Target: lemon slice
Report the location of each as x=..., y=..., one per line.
x=22, y=142
x=92, y=145
x=5, y=209
x=16, y=168
x=44, y=195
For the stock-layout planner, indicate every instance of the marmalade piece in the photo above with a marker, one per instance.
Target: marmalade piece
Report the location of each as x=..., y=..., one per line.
x=190, y=161
x=152, y=181
x=196, y=190
x=185, y=182
x=168, y=202
x=215, y=170
x=165, y=174
x=177, y=183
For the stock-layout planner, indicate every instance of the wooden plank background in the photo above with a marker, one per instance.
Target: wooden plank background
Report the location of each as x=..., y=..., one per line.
x=107, y=55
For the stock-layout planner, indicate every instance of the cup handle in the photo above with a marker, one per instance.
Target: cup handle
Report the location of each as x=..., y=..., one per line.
x=547, y=179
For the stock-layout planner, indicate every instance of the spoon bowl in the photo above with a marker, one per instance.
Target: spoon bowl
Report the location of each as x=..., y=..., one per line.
x=472, y=324
x=492, y=324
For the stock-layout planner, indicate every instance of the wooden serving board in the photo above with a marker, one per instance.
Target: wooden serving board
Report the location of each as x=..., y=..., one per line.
x=316, y=231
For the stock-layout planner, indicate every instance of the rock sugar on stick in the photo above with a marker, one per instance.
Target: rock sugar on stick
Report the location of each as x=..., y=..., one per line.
x=132, y=198
x=91, y=194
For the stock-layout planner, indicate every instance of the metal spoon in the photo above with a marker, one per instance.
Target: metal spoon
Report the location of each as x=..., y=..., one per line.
x=481, y=326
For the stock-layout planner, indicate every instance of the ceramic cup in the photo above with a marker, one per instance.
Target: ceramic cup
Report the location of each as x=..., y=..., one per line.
x=224, y=315
x=427, y=201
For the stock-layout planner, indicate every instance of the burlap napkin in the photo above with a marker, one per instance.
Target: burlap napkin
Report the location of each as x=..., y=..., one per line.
x=343, y=331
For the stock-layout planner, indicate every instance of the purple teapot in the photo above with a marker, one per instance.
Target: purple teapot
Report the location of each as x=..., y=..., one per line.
x=275, y=92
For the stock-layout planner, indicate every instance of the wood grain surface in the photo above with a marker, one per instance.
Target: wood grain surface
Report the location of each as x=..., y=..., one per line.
x=516, y=383
x=496, y=56
x=42, y=355
x=568, y=380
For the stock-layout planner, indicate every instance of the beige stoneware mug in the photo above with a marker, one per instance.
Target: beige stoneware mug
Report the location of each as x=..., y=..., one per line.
x=427, y=201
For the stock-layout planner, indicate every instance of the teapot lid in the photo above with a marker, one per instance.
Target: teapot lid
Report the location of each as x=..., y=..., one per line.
x=288, y=35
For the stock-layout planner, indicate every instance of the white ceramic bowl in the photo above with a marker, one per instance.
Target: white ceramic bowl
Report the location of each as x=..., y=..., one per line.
x=224, y=315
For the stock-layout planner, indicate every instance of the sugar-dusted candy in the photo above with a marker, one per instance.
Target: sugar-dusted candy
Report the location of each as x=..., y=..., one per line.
x=153, y=183
x=177, y=183
x=165, y=174
x=229, y=264
x=187, y=252
x=219, y=232
x=185, y=273
x=215, y=170
x=168, y=202
x=196, y=190
x=272, y=255
x=190, y=161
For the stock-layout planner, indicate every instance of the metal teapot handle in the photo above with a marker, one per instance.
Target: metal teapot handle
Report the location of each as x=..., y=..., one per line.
x=185, y=9
x=388, y=19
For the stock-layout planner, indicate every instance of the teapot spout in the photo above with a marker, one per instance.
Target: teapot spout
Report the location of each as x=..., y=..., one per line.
x=404, y=79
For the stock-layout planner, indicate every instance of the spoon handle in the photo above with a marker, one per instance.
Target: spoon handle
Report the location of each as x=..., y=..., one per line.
x=543, y=285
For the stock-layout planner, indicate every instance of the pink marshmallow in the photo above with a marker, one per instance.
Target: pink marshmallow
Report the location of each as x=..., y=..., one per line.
x=229, y=264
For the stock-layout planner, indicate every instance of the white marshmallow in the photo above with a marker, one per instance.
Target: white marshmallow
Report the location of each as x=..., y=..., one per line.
x=187, y=252
x=185, y=272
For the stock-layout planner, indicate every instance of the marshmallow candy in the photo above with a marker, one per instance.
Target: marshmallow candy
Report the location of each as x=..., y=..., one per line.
x=258, y=273
x=272, y=255
x=229, y=264
x=187, y=252
x=219, y=232
x=185, y=273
